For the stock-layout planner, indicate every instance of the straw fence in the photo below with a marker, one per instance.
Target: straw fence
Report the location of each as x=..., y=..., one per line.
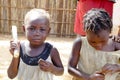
x=62, y=14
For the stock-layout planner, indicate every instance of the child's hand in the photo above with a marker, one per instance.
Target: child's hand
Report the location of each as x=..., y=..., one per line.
x=97, y=76
x=45, y=65
x=13, y=47
x=111, y=68
x=116, y=38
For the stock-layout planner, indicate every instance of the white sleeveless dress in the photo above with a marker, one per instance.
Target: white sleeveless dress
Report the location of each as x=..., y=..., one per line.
x=92, y=60
x=33, y=72
x=27, y=72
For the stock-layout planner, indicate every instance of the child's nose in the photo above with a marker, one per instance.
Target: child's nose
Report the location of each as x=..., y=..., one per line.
x=37, y=31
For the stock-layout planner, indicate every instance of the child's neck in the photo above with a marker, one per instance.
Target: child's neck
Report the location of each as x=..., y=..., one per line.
x=34, y=51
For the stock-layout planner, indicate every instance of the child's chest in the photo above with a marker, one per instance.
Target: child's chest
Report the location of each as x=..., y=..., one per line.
x=34, y=51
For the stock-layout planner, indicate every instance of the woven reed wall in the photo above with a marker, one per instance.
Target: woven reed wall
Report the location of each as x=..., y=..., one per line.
x=62, y=14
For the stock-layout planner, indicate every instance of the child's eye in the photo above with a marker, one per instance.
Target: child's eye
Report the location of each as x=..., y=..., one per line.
x=42, y=29
x=32, y=29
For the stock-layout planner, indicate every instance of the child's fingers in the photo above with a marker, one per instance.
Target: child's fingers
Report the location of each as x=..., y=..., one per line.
x=42, y=65
x=106, y=68
x=117, y=39
x=42, y=62
x=14, y=45
x=97, y=76
x=110, y=68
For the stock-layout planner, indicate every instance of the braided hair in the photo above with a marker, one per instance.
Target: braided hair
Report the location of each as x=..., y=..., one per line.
x=96, y=20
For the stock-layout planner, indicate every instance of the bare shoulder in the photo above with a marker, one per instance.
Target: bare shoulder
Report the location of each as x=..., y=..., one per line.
x=55, y=57
x=54, y=54
x=76, y=47
x=77, y=43
x=54, y=51
x=78, y=40
x=75, y=53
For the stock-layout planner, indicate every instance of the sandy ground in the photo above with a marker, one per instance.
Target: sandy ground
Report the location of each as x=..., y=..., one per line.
x=63, y=45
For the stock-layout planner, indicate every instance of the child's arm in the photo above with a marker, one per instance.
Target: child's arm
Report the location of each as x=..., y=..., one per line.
x=58, y=68
x=55, y=68
x=110, y=68
x=72, y=65
x=13, y=68
x=116, y=38
x=117, y=45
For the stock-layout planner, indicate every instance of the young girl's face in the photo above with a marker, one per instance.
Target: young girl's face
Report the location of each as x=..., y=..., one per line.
x=37, y=29
x=99, y=40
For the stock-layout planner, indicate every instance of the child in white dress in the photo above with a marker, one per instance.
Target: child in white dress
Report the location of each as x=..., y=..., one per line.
x=96, y=56
x=36, y=59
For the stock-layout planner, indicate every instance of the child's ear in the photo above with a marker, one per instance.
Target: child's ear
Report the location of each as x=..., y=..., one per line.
x=23, y=28
x=49, y=30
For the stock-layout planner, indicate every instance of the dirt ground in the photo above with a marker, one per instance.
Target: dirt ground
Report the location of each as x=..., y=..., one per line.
x=63, y=45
